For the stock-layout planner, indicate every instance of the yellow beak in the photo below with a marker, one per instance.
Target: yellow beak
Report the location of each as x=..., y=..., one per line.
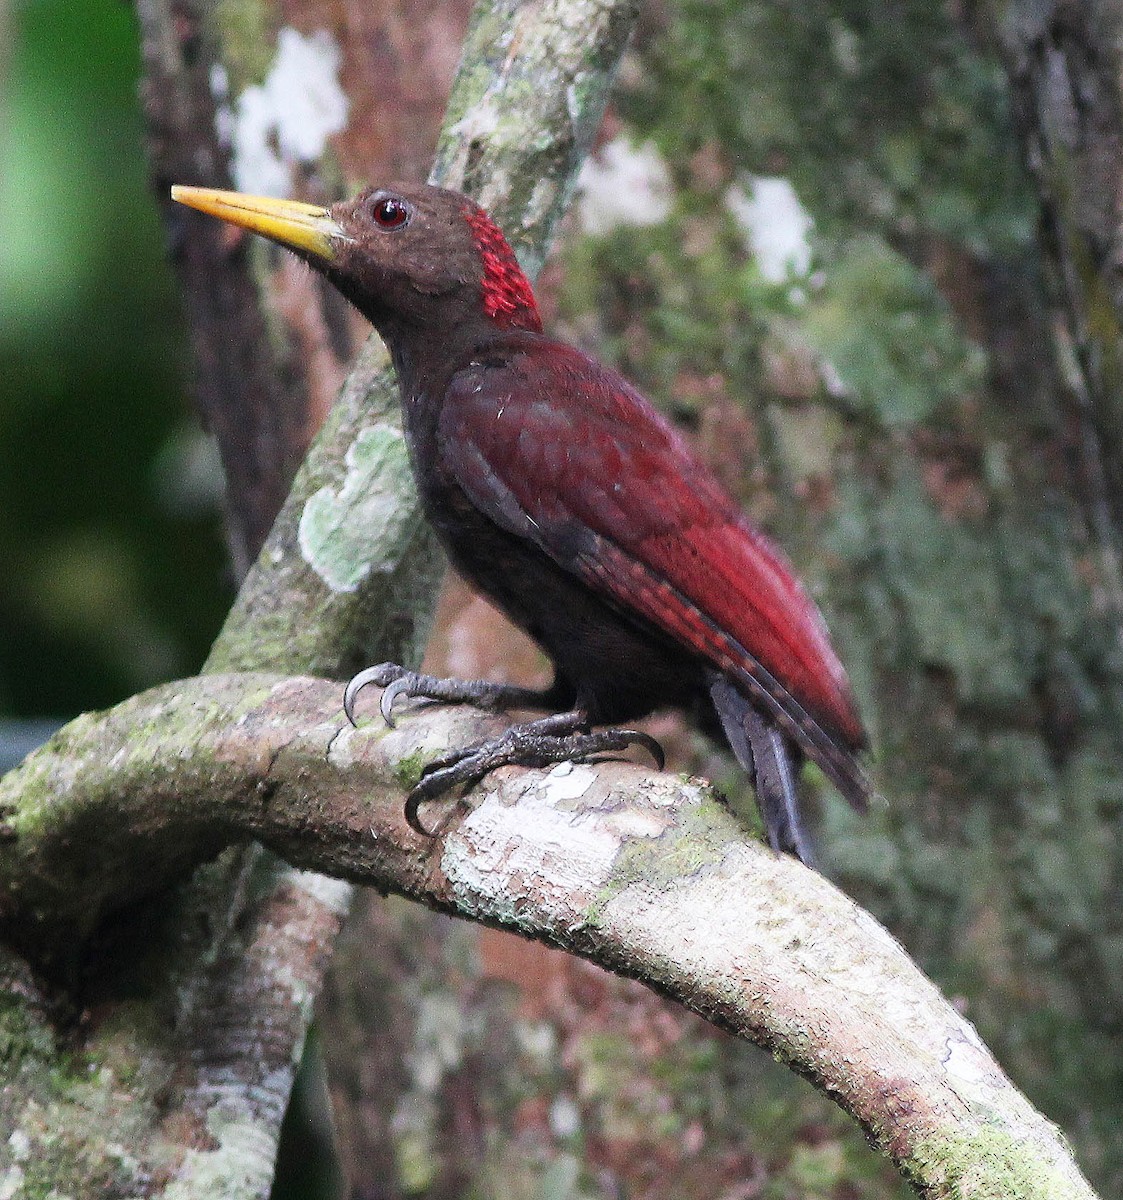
x=299, y=226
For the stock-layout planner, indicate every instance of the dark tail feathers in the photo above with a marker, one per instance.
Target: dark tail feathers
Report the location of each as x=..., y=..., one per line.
x=772, y=760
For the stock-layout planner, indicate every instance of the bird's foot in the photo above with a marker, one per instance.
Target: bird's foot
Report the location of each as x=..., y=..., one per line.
x=398, y=682
x=560, y=737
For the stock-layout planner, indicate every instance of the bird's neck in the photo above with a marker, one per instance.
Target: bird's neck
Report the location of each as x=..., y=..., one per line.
x=425, y=363
x=425, y=368
x=412, y=364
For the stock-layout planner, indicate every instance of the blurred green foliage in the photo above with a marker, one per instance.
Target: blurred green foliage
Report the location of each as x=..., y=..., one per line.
x=113, y=572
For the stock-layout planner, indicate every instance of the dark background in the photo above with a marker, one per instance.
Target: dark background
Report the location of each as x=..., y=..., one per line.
x=114, y=569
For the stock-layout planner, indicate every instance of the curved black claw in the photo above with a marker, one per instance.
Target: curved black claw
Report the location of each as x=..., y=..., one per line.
x=397, y=681
x=404, y=685
x=413, y=819
x=382, y=676
x=655, y=748
x=554, y=739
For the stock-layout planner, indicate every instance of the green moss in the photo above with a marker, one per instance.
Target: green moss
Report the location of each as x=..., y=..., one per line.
x=688, y=1074
x=413, y=1155
x=881, y=117
x=630, y=1103
x=695, y=844
x=985, y=1165
x=81, y=1133
x=23, y=1040
x=409, y=768
x=955, y=595
x=890, y=336
x=811, y=1148
x=245, y=30
x=471, y=87
x=669, y=310
x=807, y=439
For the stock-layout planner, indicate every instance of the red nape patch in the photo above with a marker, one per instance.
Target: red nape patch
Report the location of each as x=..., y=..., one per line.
x=506, y=293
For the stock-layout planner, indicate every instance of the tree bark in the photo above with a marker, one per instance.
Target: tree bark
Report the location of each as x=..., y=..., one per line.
x=609, y=862
x=1064, y=63
x=918, y=422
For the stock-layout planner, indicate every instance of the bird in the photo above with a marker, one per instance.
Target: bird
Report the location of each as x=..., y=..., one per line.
x=570, y=502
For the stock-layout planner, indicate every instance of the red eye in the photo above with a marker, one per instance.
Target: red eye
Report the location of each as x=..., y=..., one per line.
x=390, y=212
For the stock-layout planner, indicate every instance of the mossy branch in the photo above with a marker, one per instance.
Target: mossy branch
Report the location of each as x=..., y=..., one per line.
x=645, y=874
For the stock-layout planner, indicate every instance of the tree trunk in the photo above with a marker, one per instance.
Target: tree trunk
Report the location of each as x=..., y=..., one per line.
x=929, y=411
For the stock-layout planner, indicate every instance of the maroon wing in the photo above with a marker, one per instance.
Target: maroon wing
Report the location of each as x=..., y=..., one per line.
x=559, y=449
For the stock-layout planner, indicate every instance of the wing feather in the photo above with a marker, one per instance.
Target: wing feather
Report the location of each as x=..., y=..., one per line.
x=557, y=448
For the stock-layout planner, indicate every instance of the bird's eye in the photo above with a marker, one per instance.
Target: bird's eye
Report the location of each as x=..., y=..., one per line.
x=390, y=212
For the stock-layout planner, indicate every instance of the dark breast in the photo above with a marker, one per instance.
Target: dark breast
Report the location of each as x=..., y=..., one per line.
x=619, y=666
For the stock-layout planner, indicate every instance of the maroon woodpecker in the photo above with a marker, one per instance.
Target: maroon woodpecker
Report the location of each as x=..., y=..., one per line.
x=560, y=492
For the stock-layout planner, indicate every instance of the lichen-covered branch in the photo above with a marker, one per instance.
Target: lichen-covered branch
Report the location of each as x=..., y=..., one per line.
x=642, y=873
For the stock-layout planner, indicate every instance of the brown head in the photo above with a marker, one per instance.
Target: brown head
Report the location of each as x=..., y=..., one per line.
x=414, y=260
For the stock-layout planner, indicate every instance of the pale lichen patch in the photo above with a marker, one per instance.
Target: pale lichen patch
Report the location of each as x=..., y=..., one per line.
x=11, y=1182
x=624, y=184
x=567, y=781
x=499, y=855
x=344, y=535
x=776, y=226
x=287, y=118
x=245, y=1155
x=969, y=1064
x=334, y=894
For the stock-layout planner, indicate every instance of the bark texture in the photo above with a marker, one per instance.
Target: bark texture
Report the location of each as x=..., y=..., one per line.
x=916, y=411
x=1064, y=66
x=249, y=388
x=612, y=863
